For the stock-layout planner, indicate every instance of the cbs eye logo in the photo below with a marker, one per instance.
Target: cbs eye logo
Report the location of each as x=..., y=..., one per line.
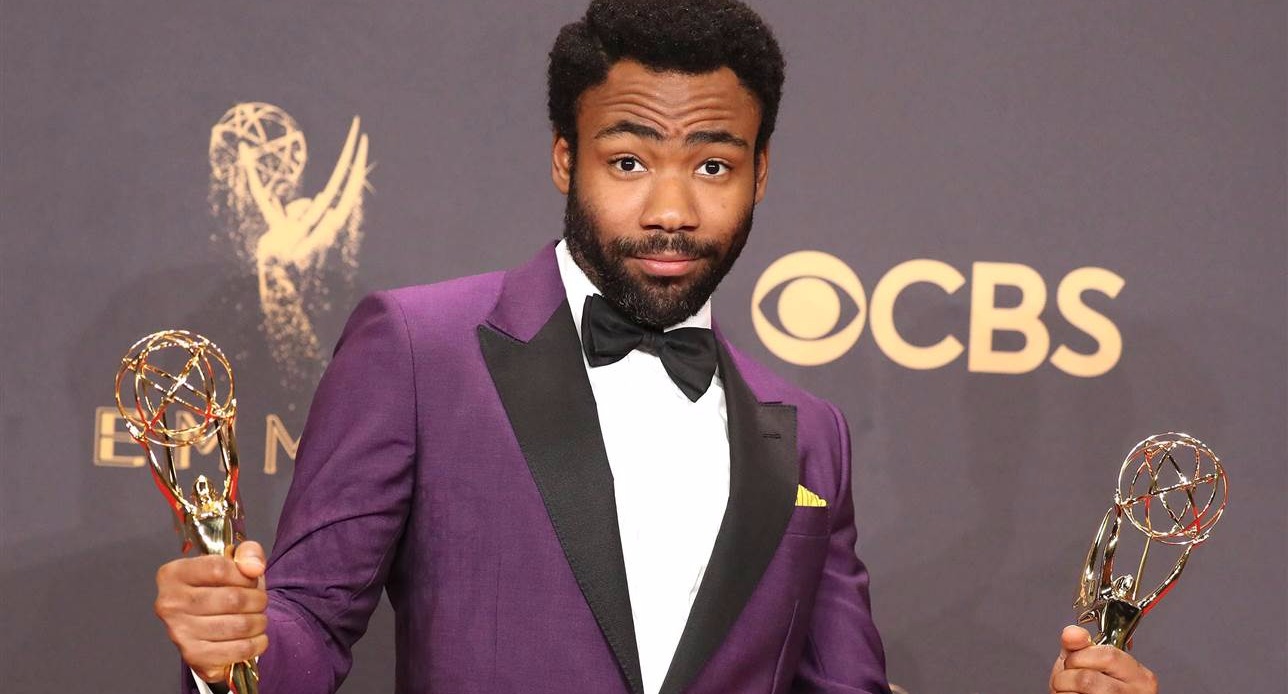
x=808, y=308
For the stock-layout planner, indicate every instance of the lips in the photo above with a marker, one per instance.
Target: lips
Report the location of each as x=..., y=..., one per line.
x=666, y=265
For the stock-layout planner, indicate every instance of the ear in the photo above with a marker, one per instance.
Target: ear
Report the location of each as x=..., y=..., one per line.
x=561, y=164
x=762, y=172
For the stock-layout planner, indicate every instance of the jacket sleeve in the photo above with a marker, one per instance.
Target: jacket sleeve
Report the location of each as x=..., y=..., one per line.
x=843, y=652
x=348, y=501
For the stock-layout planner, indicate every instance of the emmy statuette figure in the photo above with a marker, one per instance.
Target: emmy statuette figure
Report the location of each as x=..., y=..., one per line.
x=175, y=389
x=1171, y=488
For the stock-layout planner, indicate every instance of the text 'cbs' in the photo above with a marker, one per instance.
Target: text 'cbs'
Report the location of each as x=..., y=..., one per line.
x=809, y=308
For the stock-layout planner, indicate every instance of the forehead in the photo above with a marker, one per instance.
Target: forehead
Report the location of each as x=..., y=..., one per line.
x=671, y=102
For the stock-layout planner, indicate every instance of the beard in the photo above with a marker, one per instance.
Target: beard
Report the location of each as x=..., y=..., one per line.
x=652, y=302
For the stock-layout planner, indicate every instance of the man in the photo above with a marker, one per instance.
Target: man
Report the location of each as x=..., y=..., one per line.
x=563, y=478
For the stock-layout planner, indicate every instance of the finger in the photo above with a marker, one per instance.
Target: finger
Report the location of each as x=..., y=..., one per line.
x=1070, y=636
x=1056, y=667
x=211, y=660
x=211, y=570
x=249, y=559
x=1074, y=638
x=1107, y=659
x=1078, y=681
x=212, y=675
x=1060, y=659
x=211, y=601
x=217, y=628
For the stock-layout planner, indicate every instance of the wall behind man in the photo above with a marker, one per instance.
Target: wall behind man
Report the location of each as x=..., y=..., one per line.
x=998, y=141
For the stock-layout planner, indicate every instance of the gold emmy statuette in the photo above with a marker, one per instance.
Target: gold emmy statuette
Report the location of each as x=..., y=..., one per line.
x=1172, y=488
x=175, y=389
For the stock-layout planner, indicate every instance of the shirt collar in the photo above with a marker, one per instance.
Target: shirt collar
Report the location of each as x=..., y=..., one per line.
x=578, y=286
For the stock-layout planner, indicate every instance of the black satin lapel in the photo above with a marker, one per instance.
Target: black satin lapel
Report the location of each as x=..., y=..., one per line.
x=551, y=407
x=762, y=495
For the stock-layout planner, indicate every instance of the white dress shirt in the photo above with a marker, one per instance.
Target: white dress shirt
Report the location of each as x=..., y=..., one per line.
x=670, y=462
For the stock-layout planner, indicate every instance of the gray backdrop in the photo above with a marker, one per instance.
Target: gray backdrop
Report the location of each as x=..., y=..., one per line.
x=1146, y=138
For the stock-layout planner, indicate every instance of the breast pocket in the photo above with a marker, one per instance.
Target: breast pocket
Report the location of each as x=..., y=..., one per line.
x=809, y=520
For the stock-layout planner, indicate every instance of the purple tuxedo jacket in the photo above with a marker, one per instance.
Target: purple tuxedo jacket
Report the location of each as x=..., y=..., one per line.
x=453, y=458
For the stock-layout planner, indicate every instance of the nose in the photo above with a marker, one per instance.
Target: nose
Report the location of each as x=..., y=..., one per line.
x=670, y=206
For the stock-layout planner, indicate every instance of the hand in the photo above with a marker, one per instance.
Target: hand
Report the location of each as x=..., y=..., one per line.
x=214, y=609
x=1086, y=669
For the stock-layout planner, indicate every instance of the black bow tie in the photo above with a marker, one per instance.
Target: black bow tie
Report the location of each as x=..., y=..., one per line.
x=687, y=354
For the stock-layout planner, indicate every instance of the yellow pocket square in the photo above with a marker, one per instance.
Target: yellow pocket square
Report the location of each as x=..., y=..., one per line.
x=805, y=497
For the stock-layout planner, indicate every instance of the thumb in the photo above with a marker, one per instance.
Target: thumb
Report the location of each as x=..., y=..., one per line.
x=249, y=558
x=1073, y=638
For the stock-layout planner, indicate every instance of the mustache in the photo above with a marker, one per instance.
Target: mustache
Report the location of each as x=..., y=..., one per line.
x=682, y=244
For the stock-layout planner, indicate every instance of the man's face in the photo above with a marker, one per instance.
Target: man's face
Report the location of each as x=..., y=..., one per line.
x=661, y=191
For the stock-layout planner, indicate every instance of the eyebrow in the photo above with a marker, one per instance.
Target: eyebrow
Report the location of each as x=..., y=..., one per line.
x=625, y=127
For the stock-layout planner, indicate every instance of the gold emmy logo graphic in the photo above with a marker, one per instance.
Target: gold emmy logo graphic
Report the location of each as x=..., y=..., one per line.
x=809, y=308
x=257, y=159
x=300, y=250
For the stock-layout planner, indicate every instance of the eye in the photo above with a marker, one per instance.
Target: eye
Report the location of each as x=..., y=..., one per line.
x=628, y=164
x=713, y=167
x=809, y=308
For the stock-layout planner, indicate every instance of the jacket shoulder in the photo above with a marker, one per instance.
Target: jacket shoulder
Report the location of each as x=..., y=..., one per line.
x=467, y=299
x=439, y=316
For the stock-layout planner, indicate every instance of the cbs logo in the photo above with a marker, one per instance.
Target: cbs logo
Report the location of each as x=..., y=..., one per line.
x=809, y=308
